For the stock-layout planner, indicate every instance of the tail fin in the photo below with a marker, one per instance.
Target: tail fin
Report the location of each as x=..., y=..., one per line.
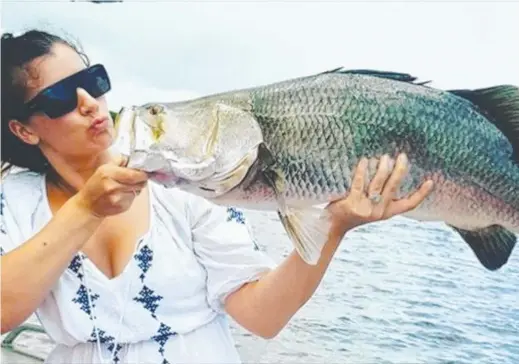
x=492, y=245
x=501, y=105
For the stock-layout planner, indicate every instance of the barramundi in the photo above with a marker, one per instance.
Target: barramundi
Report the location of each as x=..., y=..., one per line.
x=292, y=147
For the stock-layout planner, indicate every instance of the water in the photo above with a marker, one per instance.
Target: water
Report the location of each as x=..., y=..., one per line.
x=396, y=292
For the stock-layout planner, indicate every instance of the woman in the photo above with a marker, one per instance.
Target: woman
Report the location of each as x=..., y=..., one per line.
x=119, y=269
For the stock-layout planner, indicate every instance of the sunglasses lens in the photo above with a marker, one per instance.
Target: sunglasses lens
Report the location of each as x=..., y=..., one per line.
x=58, y=100
x=95, y=81
x=61, y=98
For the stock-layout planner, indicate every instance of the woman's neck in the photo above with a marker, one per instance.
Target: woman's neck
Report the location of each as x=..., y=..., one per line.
x=72, y=173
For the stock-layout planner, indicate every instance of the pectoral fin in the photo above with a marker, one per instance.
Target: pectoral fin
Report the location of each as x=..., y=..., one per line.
x=307, y=227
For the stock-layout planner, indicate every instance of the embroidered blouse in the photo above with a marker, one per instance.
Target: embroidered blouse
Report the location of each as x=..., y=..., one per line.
x=167, y=304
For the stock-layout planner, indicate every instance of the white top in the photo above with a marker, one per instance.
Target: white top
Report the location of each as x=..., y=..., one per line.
x=167, y=304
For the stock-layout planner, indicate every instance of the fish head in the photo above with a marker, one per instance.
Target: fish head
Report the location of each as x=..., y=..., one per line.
x=189, y=136
x=206, y=149
x=155, y=141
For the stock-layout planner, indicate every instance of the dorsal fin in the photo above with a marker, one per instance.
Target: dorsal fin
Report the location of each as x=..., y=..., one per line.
x=500, y=104
x=397, y=76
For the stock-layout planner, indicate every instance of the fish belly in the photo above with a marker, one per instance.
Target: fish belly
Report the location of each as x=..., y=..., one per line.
x=464, y=205
x=457, y=201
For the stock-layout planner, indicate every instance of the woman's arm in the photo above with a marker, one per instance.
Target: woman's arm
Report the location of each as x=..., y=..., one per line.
x=29, y=271
x=265, y=306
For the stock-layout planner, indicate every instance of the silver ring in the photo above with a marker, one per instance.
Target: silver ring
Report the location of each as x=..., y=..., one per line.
x=376, y=198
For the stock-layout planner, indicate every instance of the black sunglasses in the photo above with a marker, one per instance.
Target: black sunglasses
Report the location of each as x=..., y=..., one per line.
x=60, y=98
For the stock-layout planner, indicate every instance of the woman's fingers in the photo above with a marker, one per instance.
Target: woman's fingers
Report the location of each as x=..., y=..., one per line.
x=357, y=184
x=137, y=187
x=381, y=176
x=358, y=208
x=411, y=202
x=396, y=178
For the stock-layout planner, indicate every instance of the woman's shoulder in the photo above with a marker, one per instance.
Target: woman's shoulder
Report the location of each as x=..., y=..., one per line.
x=20, y=196
x=21, y=183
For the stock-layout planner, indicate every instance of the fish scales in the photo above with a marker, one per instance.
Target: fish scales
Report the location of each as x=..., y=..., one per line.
x=370, y=120
x=291, y=145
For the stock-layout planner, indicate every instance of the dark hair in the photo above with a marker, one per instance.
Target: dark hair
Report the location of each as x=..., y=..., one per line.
x=17, y=52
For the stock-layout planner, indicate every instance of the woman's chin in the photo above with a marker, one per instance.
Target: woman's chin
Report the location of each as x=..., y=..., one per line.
x=106, y=138
x=101, y=143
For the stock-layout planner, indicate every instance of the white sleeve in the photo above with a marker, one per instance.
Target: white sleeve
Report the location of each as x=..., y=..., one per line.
x=20, y=194
x=6, y=243
x=225, y=247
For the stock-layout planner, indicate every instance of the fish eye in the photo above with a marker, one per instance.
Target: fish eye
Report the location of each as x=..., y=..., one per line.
x=155, y=109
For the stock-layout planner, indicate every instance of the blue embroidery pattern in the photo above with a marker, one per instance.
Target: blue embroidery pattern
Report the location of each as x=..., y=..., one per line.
x=75, y=266
x=103, y=337
x=82, y=299
x=144, y=259
x=163, y=336
x=116, y=352
x=106, y=339
x=149, y=300
x=236, y=215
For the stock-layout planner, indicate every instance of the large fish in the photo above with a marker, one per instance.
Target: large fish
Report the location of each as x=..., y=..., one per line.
x=292, y=146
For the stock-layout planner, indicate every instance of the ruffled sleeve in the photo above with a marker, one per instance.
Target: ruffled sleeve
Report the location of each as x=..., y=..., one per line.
x=224, y=245
x=20, y=194
x=6, y=243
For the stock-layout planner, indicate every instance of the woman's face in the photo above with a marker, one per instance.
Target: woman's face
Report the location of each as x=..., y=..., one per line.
x=85, y=131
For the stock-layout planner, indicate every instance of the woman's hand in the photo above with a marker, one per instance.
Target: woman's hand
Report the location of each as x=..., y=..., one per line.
x=111, y=189
x=378, y=201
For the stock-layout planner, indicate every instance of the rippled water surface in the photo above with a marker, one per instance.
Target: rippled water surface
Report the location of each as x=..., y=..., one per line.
x=397, y=292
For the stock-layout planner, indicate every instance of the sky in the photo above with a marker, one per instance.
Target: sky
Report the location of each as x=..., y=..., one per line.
x=173, y=50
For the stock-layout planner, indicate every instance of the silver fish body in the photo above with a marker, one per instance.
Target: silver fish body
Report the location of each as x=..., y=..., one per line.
x=292, y=145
